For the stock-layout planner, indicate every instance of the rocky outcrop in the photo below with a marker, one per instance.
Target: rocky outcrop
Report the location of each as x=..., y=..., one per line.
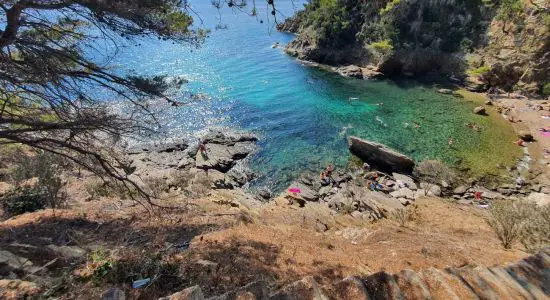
x=527, y=279
x=292, y=24
x=350, y=71
x=365, y=195
x=220, y=163
x=380, y=156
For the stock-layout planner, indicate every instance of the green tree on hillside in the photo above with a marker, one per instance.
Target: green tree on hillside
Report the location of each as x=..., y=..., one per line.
x=50, y=89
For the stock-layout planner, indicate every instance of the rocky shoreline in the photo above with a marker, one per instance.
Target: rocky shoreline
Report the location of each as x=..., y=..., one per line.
x=383, y=186
x=181, y=164
x=371, y=194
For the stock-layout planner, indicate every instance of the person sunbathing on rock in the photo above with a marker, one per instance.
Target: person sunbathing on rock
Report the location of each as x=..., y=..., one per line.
x=324, y=179
x=202, y=150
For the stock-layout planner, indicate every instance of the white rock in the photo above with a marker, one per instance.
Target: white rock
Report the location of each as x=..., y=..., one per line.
x=405, y=179
x=68, y=251
x=539, y=198
x=433, y=189
x=403, y=193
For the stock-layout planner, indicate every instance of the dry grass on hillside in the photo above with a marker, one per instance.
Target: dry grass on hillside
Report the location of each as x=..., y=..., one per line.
x=232, y=245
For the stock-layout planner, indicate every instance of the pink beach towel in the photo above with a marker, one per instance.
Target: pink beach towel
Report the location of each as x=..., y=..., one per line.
x=294, y=190
x=545, y=133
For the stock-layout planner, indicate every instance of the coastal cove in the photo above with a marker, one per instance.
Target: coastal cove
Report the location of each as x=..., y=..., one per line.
x=274, y=149
x=303, y=115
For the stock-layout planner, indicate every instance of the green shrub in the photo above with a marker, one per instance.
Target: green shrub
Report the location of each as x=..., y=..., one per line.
x=479, y=71
x=335, y=22
x=384, y=45
x=99, y=189
x=46, y=190
x=546, y=89
x=23, y=199
x=390, y=6
x=510, y=11
x=381, y=50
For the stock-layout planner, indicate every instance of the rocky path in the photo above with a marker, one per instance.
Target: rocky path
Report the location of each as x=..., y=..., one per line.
x=527, y=279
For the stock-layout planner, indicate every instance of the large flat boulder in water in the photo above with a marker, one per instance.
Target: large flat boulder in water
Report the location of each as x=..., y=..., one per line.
x=380, y=156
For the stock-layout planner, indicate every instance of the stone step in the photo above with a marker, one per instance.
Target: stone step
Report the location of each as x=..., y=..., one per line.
x=411, y=285
x=305, y=289
x=382, y=286
x=523, y=273
x=516, y=289
x=479, y=286
x=350, y=288
x=438, y=287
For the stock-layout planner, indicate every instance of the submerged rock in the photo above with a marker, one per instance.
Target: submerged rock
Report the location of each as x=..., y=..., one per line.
x=480, y=110
x=264, y=193
x=380, y=156
x=445, y=91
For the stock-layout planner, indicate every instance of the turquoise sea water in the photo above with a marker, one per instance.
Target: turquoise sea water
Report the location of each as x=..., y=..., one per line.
x=302, y=115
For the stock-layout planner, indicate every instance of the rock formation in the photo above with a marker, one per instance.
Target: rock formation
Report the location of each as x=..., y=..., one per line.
x=380, y=156
x=220, y=163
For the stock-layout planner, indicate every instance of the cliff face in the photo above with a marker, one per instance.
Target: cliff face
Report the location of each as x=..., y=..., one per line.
x=476, y=41
x=517, y=55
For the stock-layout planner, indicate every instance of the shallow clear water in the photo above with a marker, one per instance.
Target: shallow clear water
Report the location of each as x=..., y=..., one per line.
x=302, y=115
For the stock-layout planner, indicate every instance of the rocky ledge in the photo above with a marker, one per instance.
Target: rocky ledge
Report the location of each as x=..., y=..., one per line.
x=349, y=71
x=380, y=156
x=221, y=163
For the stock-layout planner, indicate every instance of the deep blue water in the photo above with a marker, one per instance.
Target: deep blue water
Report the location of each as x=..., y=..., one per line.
x=302, y=115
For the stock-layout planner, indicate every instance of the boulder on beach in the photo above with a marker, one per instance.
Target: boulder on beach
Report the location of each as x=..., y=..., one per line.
x=380, y=156
x=526, y=136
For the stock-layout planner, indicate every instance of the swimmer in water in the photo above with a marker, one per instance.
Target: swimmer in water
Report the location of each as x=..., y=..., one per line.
x=345, y=129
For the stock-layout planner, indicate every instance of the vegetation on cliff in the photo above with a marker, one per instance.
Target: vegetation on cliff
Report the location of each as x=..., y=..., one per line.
x=457, y=38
